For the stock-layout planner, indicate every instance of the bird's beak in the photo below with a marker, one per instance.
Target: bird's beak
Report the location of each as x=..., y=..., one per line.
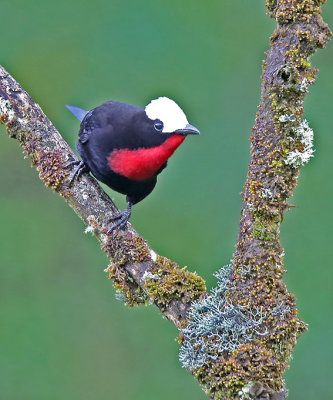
x=188, y=130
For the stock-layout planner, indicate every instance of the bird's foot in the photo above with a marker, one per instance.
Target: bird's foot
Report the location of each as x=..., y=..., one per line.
x=121, y=219
x=80, y=168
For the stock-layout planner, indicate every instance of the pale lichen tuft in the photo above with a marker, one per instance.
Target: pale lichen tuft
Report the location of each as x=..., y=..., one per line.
x=304, y=148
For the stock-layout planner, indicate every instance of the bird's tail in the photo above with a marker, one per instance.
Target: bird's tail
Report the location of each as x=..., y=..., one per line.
x=77, y=111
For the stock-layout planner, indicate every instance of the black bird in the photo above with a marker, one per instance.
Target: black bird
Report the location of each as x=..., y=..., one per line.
x=126, y=147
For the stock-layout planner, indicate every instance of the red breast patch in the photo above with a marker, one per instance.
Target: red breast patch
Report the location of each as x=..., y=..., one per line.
x=142, y=164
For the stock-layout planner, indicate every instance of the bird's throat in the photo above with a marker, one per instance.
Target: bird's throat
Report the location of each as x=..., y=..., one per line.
x=142, y=164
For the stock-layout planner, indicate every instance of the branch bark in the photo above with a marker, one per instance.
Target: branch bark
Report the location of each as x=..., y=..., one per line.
x=238, y=339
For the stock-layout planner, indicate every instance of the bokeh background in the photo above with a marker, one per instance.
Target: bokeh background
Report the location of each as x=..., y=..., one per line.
x=63, y=335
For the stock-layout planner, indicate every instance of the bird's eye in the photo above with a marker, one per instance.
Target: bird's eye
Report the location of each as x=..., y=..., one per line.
x=158, y=125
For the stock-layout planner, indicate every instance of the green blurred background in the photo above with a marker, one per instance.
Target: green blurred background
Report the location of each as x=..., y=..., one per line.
x=63, y=335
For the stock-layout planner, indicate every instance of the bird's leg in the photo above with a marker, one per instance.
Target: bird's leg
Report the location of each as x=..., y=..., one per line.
x=121, y=218
x=80, y=168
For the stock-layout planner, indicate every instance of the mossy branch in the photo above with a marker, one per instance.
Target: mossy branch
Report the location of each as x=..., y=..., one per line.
x=237, y=340
x=240, y=337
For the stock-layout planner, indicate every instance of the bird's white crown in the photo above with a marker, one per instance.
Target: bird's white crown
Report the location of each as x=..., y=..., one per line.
x=167, y=111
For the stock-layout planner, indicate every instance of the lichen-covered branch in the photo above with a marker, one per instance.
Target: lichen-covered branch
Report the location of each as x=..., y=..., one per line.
x=239, y=338
x=138, y=273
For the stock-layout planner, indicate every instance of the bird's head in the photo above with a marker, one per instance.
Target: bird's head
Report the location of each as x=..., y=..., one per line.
x=169, y=118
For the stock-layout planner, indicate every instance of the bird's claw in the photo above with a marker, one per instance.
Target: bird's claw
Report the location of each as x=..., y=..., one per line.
x=121, y=219
x=115, y=217
x=74, y=162
x=80, y=167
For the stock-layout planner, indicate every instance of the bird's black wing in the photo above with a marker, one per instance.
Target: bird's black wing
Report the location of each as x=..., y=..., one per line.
x=88, y=124
x=96, y=140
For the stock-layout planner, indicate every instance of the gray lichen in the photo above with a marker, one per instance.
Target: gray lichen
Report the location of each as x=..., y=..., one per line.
x=6, y=112
x=216, y=325
x=303, y=135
